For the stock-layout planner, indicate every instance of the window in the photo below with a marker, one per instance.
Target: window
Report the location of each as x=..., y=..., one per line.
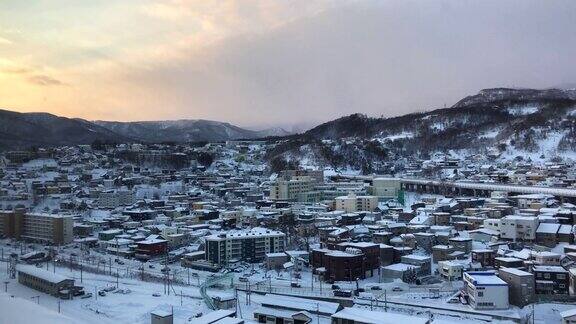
x=546, y=276
x=480, y=294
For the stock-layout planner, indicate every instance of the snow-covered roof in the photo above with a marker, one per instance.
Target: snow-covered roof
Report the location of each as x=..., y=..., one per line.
x=486, y=279
x=41, y=273
x=548, y=228
x=295, y=303
x=374, y=317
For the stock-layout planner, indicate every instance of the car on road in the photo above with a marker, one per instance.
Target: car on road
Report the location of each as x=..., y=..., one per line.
x=397, y=289
x=295, y=285
x=156, y=294
x=376, y=288
x=342, y=293
x=102, y=293
x=86, y=296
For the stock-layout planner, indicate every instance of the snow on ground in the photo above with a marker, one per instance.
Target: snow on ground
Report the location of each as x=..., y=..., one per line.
x=523, y=110
x=20, y=310
x=132, y=307
x=490, y=134
x=396, y=136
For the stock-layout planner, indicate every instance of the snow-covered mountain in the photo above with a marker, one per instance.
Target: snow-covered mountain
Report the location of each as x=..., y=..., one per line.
x=499, y=122
x=186, y=130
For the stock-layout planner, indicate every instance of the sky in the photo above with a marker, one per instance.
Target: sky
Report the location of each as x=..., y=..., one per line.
x=264, y=63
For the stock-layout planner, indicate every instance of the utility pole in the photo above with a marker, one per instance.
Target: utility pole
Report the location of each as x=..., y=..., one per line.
x=81, y=272
x=385, y=301
x=318, y=312
x=312, y=281
x=6, y=285
x=58, y=306
x=181, y=294
x=117, y=278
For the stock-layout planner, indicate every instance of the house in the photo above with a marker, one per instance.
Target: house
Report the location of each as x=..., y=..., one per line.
x=518, y=227
x=451, y=270
x=547, y=234
x=442, y=252
x=463, y=244
x=508, y=262
x=485, y=290
x=151, y=246
x=551, y=280
x=484, y=256
x=566, y=234
x=424, y=263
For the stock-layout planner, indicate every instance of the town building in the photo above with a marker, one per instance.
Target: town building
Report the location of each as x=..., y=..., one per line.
x=250, y=246
x=485, y=290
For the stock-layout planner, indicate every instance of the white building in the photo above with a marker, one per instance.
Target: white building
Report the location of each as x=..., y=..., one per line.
x=249, y=245
x=353, y=203
x=518, y=227
x=386, y=187
x=115, y=198
x=485, y=290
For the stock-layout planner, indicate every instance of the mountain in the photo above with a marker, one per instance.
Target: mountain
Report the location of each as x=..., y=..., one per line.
x=186, y=130
x=25, y=130
x=499, y=122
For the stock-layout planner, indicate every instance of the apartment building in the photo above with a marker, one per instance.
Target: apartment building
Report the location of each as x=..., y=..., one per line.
x=518, y=227
x=115, y=198
x=291, y=188
x=37, y=227
x=250, y=246
x=353, y=203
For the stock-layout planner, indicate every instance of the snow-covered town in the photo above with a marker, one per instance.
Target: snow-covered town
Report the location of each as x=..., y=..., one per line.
x=119, y=234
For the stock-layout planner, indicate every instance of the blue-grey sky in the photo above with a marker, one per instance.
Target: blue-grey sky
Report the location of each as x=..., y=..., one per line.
x=262, y=63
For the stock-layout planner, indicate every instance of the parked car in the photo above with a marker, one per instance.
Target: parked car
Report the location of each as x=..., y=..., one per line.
x=376, y=288
x=86, y=296
x=334, y=287
x=102, y=293
x=397, y=289
x=295, y=285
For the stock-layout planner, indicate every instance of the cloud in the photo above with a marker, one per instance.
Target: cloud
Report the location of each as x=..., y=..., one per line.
x=45, y=80
x=5, y=41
